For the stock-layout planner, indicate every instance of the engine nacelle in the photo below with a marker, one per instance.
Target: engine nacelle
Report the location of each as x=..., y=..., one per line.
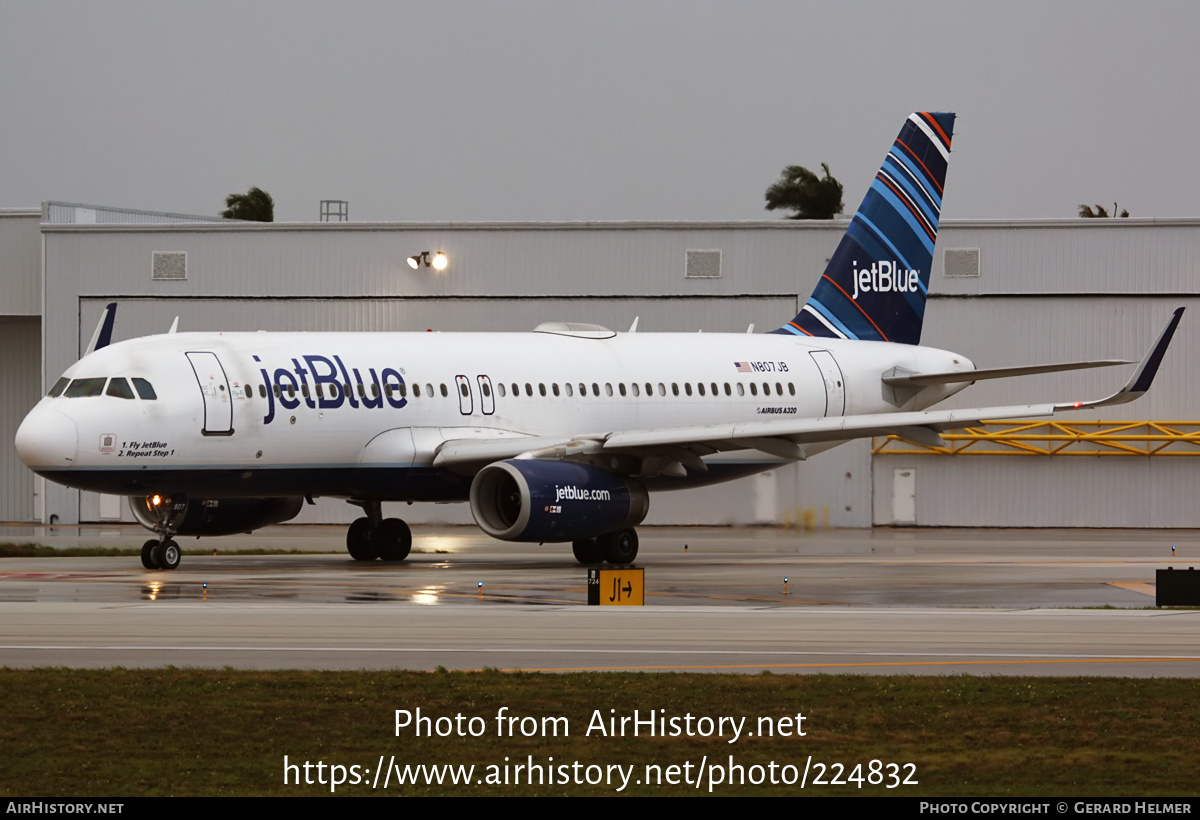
x=534, y=500
x=213, y=516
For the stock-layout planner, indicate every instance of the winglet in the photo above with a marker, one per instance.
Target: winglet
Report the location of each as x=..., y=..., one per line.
x=1142, y=378
x=102, y=337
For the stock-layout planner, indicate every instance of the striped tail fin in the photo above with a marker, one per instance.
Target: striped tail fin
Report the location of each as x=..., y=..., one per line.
x=876, y=283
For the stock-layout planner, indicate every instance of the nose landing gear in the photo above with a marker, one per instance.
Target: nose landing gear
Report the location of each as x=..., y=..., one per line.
x=163, y=552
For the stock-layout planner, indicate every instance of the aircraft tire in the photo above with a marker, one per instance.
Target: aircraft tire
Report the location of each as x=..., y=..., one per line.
x=167, y=555
x=620, y=547
x=587, y=551
x=359, y=541
x=148, y=560
x=393, y=539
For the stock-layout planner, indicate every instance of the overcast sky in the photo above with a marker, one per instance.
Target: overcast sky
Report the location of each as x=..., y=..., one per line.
x=609, y=110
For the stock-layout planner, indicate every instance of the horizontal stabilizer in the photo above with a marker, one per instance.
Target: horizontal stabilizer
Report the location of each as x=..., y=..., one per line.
x=898, y=377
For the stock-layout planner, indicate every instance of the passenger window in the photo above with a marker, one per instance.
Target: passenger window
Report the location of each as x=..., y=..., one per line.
x=346, y=390
x=119, y=388
x=361, y=390
x=516, y=388
x=570, y=390
x=387, y=389
x=582, y=389
x=542, y=388
x=700, y=388
x=728, y=392
x=662, y=390
x=321, y=392
x=778, y=389
x=262, y=391
x=766, y=388
x=292, y=391
x=402, y=389
x=500, y=389
x=445, y=392
x=275, y=390
x=554, y=388
x=753, y=389
x=687, y=388
x=635, y=389
x=85, y=387
x=674, y=389
x=417, y=390
x=607, y=389
x=528, y=389
x=487, y=391
x=649, y=389
x=595, y=389
x=374, y=390
x=304, y=389
x=791, y=388
x=621, y=387
x=741, y=390
x=144, y=390
x=462, y=388
x=714, y=389
x=249, y=392
x=59, y=387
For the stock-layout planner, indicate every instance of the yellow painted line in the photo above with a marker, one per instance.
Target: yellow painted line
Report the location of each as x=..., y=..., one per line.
x=1136, y=586
x=879, y=664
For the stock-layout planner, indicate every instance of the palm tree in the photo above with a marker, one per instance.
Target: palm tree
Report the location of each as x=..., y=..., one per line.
x=1101, y=212
x=255, y=205
x=800, y=190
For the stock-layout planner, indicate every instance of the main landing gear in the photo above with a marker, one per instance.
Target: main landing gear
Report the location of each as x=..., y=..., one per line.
x=164, y=554
x=374, y=536
x=620, y=547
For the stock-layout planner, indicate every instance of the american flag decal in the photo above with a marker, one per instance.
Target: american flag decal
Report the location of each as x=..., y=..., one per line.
x=742, y=367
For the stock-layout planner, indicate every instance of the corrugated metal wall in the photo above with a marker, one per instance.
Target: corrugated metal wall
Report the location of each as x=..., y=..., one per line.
x=20, y=373
x=21, y=263
x=1046, y=291
x=1065, y=491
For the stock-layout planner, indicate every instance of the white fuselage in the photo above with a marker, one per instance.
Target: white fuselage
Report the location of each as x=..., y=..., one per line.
x=313, y=413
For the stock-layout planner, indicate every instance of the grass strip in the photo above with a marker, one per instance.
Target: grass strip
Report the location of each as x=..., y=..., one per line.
x=130, y=732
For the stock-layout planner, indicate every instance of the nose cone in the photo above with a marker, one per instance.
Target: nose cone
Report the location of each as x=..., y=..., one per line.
x=47, y=439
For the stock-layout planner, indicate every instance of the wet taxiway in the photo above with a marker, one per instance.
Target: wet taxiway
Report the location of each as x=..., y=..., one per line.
x=928, y=601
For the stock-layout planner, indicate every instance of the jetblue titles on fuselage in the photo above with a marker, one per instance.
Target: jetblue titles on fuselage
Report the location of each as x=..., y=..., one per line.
x=333, y=384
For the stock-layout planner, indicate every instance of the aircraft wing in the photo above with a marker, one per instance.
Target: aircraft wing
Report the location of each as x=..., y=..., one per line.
x=786, y=438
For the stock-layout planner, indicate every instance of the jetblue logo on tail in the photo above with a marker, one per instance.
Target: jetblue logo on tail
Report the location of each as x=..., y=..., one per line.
x=875, y=285
x=884, y=277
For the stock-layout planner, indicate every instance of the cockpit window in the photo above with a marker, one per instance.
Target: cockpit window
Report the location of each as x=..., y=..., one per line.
x=85, y=387
x=58, y=387
x=119, y=388
x=144, y=389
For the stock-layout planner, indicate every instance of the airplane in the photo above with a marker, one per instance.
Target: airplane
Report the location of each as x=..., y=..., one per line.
x=556, y=435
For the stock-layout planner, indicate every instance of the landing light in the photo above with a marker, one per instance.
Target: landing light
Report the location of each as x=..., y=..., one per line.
x=440, y=261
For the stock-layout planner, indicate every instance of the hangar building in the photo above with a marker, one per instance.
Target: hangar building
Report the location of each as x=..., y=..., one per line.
x=1002, y=293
